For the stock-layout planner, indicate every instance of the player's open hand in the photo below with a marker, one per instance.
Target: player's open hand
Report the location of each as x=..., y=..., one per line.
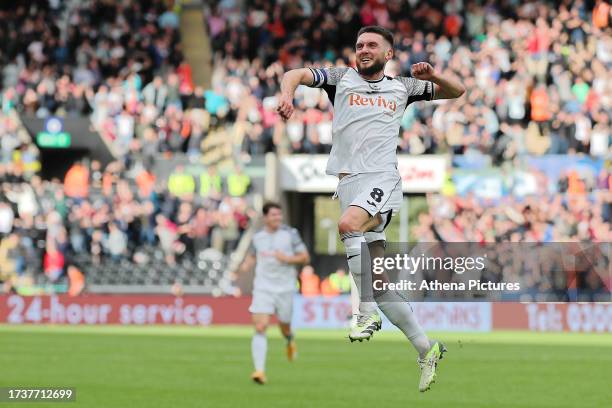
x=422, y=70
x=285, y=106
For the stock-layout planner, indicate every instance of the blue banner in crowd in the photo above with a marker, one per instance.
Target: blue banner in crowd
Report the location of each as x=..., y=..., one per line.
x=491, y=183
x=471, y=161
x=484, y=184
x=556, y=166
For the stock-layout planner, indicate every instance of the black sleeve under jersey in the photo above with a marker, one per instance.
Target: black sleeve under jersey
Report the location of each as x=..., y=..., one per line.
x=331, y=92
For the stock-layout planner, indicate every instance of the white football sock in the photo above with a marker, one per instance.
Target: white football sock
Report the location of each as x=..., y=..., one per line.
x=399, y=312
x=352, y=243
x=259, y=349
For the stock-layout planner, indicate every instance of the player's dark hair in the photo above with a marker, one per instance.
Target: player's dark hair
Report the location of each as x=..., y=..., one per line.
x=269, y=205
x=386, y=34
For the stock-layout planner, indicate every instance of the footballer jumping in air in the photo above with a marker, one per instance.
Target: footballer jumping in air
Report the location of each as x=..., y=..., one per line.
x=276, y=249
x=368, y=107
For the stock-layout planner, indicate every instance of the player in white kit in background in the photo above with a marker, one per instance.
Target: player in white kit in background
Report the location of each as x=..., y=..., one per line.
x=368, y=107
x=276, y=250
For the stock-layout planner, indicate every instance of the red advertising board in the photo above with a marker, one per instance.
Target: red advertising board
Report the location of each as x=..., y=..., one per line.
x=572, y=317
x=308, y=312
x=124, y=309
x=322, y=312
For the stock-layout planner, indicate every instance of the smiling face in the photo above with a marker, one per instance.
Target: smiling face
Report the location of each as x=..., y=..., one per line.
x=274, y=218
x=372, y=52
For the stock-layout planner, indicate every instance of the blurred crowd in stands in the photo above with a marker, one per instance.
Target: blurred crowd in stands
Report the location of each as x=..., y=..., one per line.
x=537, y=72
x=575, y=217
x=538, y=79
x=121, y=64
x=44, y=224
x=336, y=283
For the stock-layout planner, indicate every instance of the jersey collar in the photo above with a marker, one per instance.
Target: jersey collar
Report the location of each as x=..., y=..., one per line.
x=373, y=80
x=370, y=80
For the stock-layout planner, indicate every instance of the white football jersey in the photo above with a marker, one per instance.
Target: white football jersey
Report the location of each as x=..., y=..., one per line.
x=367, y=117
x=272, y=275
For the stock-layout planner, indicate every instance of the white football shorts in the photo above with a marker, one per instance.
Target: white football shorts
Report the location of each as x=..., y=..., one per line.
x=266, y=302
x=374, y=192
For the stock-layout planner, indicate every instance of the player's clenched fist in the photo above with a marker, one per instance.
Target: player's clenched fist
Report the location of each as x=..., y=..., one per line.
x=422, y=70
x=285, y=106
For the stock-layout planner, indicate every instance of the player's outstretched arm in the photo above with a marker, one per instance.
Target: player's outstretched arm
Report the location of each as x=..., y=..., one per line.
x=247, y=264
x=444, y=87
x=291, y=80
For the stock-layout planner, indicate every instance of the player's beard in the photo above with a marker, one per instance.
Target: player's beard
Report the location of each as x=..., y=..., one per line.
x=377, y=66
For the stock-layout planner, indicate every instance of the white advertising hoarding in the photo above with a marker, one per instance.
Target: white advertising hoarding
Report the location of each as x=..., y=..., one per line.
x=306, y=173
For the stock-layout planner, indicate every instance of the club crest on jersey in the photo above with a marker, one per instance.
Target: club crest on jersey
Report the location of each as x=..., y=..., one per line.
x=374, y=101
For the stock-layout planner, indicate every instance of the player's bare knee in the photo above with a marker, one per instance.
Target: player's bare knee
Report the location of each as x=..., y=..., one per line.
x=261, y=328
x=348, y=224
x=285, y=329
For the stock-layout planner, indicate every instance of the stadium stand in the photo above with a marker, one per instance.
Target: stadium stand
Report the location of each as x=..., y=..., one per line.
x=538, y=85
x=536, y=73
x=121, y=64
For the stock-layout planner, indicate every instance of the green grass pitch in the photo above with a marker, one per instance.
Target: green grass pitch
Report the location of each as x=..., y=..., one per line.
x=136, y=367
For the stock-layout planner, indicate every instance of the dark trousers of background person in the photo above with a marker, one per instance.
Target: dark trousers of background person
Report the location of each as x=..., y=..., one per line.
x=229, y=245
x=558, y=145
x=147, y=235
x=189, y=245
x=543, y=127
x=201, y=243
